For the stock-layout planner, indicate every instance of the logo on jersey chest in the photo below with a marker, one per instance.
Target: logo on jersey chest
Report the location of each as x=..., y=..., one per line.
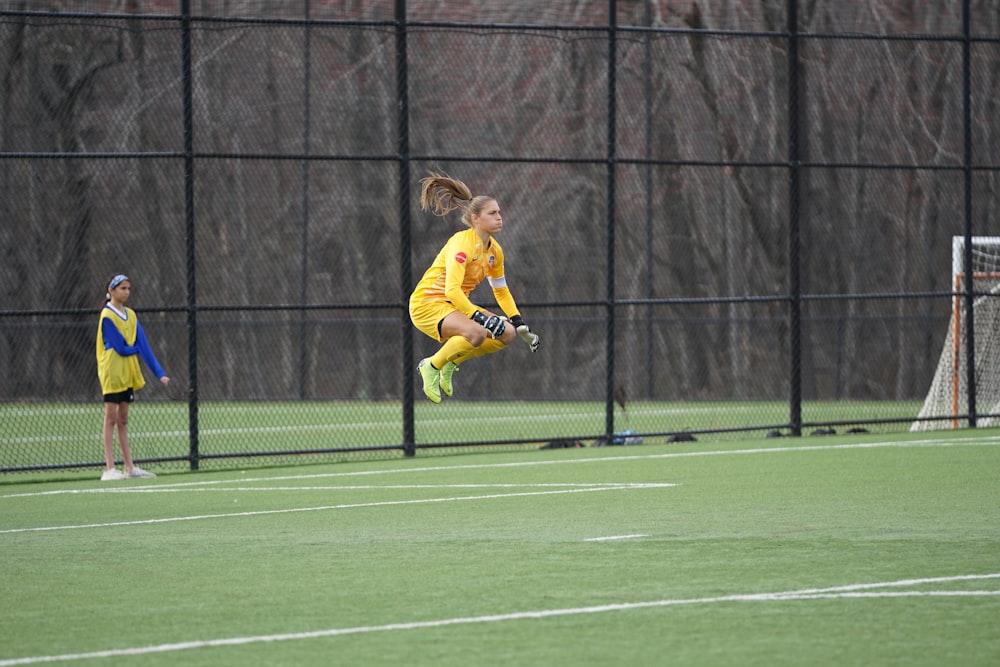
x=462, y=258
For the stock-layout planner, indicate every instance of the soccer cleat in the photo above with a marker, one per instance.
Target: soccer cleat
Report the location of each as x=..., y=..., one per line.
x=431, y=378
x=111, y=475
x=449, y=369
x=136, y=471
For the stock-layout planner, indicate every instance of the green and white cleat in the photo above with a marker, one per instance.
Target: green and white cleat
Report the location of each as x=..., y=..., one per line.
x=431, y=378
x=449, y=369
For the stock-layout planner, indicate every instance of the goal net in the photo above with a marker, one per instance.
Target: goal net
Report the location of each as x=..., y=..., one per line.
x=948, y=395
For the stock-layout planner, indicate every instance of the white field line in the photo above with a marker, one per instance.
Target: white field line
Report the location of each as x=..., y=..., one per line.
x=612, y=538
x=322, y=508
x=835, y=592
x=186, y=488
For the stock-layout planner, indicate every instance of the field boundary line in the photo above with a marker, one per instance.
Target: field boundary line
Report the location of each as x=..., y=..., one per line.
x=868, y=591
x=612, y=538
x=183, y=487
x=321, y=508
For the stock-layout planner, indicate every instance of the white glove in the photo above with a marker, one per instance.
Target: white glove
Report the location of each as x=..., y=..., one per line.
x=525, y=333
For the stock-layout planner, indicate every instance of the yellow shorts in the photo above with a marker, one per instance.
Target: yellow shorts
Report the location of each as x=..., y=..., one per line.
x=427, y=315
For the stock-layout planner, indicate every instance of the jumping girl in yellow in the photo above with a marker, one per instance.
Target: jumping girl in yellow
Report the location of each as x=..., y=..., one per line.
x=440, y=305
x=120, y=343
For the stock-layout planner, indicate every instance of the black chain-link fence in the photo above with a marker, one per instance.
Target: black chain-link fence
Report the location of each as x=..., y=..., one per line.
x=721, y=217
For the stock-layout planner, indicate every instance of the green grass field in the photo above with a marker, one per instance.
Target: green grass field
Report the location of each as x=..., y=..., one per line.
x=871, y=550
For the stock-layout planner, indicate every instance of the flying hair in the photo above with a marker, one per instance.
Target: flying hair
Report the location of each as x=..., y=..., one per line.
x=441, y=194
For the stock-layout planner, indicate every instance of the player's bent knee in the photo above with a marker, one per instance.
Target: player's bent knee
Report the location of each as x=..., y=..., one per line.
x=476, y=338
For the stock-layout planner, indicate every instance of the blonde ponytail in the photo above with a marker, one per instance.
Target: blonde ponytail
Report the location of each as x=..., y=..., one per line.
x=441, y=194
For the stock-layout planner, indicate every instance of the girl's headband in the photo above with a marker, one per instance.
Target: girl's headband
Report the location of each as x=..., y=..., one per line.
x=117, y=280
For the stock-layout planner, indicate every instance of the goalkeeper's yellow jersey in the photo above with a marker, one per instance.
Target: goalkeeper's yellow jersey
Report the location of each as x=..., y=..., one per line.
x=458, y=269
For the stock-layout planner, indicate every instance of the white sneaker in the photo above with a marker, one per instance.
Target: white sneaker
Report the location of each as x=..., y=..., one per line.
x=138, y=472
x=111, y=475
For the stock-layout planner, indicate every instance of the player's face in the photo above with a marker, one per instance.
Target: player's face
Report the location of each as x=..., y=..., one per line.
x=122, y=291
x=489, y=219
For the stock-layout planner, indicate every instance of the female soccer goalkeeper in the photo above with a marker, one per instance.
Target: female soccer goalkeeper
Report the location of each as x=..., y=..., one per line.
x=440, y=305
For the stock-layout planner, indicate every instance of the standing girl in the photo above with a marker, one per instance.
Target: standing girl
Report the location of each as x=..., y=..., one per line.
x=120, y=341
x=440, y=305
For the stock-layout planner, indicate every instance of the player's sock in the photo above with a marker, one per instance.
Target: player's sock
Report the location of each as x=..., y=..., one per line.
x=453, y=347
x=489, y=346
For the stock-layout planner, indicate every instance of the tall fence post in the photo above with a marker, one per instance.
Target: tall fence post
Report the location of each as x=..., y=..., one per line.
x=609, y=399
x=647, y=172
x=970, y=328
x=794, y=198
x=189, y=236
x=405, y=235
x=304, y=173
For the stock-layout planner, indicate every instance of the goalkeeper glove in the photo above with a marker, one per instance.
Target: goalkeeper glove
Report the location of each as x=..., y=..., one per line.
x=492, y=323
x=525, y=333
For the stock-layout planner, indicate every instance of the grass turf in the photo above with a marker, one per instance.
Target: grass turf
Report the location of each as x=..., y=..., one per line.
x=686, y=554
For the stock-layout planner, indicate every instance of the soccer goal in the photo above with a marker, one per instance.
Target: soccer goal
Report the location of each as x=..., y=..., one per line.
x=948, y=395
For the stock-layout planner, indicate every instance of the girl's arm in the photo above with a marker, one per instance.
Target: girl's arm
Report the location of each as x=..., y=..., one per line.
x=146, y=352
x=455, y=256
x=113, y=339
x=498, y=281
x=503, y=296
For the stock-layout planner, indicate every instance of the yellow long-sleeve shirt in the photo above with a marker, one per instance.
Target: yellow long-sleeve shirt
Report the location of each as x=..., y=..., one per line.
x=459, y=268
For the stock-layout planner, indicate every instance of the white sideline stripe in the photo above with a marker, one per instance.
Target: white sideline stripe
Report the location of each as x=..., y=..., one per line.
x=292, y=510
x=181, y=488
x=888, y=594
x=836, y=592
x=980, y=441
x=615, y=537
